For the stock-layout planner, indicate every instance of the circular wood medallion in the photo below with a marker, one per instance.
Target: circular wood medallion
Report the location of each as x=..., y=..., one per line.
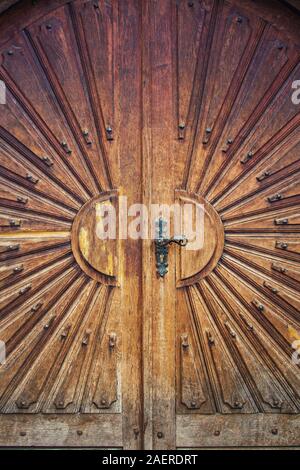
x=206, y=242
x=96, y=254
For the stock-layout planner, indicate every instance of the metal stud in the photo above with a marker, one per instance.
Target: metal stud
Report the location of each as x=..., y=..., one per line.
x=65, y=333
x=48, y=161
x=36, y=307
x=85, y=134
x=281, y=245
x=281, y=221
x=66, y=147
x=247, y=157
x=112, y=340
x=271, y=288
x=238, y=404
x=279, y=269
x=24, y=289
x=208, y=131
x=263, y=176
x=22, y=200
x=258, y=305
x=109, y=133
x=181, y=130
x=275, y=197
x=18, y=269
x=32, y=178
x=210, y=338
x=15, y=223
x=184, y=341
x=231, y=332
x=249, y=325
x=85, y=340
x=13, y=247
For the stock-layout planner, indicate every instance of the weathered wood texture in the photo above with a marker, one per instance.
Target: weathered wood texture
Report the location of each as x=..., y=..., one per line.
x=159, y=101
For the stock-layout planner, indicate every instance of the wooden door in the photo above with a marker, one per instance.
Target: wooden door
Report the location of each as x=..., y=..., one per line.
x=161, y=101
x=232, y=307
x=70, y=306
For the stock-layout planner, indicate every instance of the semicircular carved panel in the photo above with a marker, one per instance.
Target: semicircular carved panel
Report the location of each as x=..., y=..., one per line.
x=206, y=239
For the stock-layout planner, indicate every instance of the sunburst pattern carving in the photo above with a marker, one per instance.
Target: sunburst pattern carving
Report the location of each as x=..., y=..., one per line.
x=240, y=145
x=55, y=133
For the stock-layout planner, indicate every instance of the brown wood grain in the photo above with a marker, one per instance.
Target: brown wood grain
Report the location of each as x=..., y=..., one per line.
x=155, y=100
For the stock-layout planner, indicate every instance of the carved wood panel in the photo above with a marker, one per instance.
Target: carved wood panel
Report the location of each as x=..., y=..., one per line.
x=160, y=101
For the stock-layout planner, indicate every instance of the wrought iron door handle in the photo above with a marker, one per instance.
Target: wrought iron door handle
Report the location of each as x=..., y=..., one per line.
x=162, y=247
x=180, y=240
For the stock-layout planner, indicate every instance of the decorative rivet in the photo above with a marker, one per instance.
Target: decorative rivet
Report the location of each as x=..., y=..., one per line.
x=22, y=200
x=109, y=134
x=10, y=53
x=103, y=402
x=18, y=269
x=79, y=432
x=217, y=433
x=208, y=130
x=49, y=26
x=13, y=247
x=48, y=161
x=160, y=435
x=281, y=245
x=274, y=431
x=239, y=19
x=32, y=178
x=264, y=175
x=24, y=289
x=210, y=339
x=193, y=404
x=14, y=223
x=22, y=433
